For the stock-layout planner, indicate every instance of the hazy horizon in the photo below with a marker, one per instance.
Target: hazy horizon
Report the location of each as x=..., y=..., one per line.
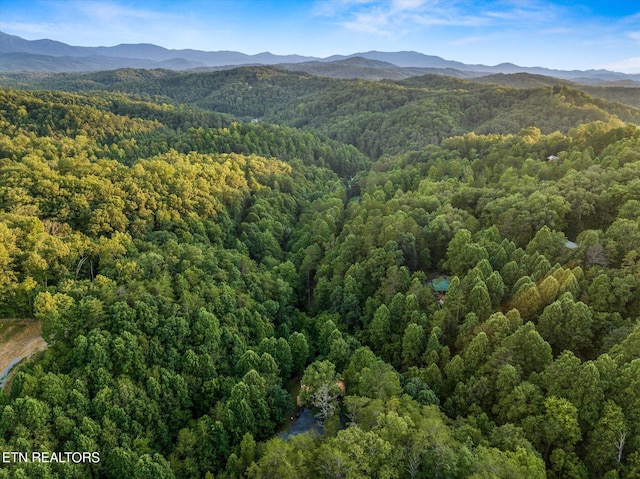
x=531, y=33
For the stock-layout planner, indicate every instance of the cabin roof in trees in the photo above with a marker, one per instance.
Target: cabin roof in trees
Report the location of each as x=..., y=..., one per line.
x=552, y=158
x=440, y=285
x=570, y=244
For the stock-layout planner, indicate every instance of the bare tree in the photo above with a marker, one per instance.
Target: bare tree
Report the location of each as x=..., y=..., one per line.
x=413, y=463
x=596, y=255
x=334, y=467
x=620, y=444
x=325, y=399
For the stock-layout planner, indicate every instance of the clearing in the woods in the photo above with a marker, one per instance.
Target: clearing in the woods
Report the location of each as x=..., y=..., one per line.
x=19, y=339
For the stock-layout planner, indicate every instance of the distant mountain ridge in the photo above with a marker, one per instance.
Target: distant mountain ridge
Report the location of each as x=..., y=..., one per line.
x=20, y=55
x=143, y=52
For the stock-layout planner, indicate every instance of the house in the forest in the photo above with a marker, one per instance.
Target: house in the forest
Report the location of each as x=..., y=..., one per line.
x=440, y=286
x=570, y=244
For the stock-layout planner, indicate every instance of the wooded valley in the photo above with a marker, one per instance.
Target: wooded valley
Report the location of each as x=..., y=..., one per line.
x=446, y=272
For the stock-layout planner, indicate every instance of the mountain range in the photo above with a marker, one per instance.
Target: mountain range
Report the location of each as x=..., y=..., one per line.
x=20, y=55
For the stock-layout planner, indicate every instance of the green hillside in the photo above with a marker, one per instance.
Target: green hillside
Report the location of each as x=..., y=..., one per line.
x=379, y=118
x=192, y=268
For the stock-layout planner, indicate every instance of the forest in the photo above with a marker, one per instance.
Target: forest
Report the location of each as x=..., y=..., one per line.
x=211, y=253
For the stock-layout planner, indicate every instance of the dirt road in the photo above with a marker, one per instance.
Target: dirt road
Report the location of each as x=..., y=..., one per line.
x=19, y=338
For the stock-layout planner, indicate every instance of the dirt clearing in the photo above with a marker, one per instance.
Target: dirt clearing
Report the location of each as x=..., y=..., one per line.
x=19, y=338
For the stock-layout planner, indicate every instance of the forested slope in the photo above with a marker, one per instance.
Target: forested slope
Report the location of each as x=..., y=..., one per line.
x=168, y=265
x=378, y=117
x=187, y=268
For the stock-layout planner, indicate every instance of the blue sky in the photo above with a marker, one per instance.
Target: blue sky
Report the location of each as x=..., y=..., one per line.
x=550, y=33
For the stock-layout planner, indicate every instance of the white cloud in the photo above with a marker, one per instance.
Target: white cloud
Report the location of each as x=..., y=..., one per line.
x=558, y=31
x=31, y=30
x=332, y=8
x=390, y=17
x=628, y=65
x=530, y=11
x=108, y=11
x=408, y=4
x=395, y=16
x=468, y=40
x=94, y=23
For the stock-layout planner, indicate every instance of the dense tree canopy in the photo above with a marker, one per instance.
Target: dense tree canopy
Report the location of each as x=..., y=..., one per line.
x=194, y=272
